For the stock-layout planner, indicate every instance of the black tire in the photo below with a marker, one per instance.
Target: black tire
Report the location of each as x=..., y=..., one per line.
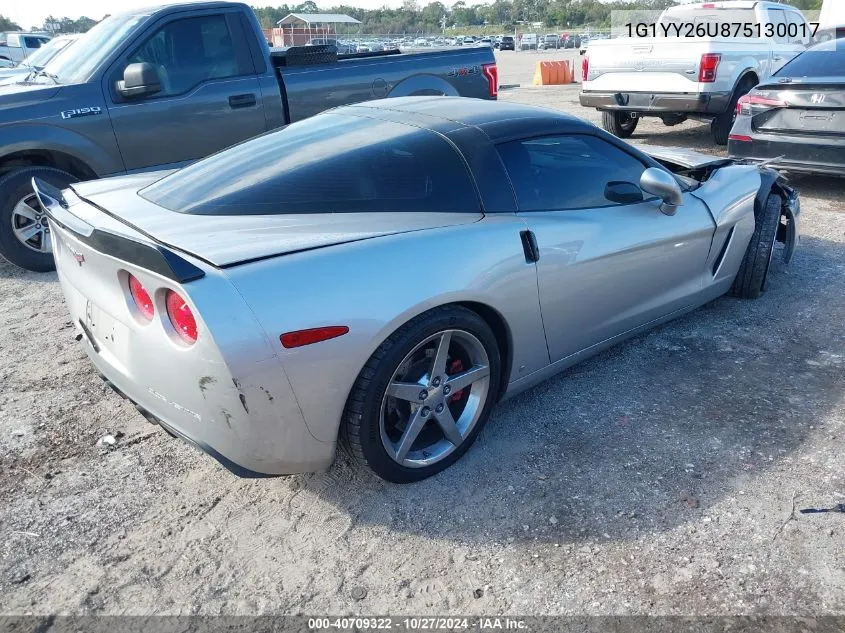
x=618, y=123
x=750, y=281
x=14, y=187
x=720, y=127
x=360, y=427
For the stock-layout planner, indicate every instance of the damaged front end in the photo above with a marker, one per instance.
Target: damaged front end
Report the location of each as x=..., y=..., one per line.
x=695, y=168
x=773, y=182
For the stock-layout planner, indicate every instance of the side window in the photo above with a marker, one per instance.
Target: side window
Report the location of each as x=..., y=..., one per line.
x=188, y=52
x=799, y=30
x=566, y=172
x=777, y=25
x=33, y=42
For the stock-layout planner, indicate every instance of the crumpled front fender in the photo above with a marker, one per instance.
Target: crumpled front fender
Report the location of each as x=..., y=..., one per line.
x=772, y=181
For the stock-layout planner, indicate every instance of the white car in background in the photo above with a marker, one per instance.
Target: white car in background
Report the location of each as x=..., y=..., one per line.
x=528, y=42
x=680, y=77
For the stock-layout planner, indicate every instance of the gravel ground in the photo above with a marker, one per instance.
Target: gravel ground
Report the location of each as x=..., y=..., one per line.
x=662, y=477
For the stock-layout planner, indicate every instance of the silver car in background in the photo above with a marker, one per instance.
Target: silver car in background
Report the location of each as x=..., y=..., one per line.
x=383, y=274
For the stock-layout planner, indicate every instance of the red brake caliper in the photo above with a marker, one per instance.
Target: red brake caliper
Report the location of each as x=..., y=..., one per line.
x=456, y=367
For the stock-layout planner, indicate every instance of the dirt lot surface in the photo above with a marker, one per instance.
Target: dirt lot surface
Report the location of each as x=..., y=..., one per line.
x=665, y=476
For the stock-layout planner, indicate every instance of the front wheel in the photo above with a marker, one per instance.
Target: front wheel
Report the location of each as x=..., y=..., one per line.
x=24, y=230
x=750, y=281
x=424, y=395
x=618, y=123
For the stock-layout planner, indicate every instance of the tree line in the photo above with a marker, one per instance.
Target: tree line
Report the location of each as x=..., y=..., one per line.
x=413, y=16
x=51, y=25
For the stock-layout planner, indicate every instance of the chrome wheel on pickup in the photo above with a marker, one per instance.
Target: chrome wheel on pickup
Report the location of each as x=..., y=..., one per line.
x=29, y=225
x=24, y=230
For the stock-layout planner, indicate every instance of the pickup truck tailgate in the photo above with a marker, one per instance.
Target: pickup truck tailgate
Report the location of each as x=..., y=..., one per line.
x=645, y=64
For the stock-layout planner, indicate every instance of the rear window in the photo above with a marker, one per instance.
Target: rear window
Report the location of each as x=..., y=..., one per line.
x=824, y=60
x=332, y=163
x=507, y=38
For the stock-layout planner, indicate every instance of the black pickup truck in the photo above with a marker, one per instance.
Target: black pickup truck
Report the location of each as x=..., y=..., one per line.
x=158, y=88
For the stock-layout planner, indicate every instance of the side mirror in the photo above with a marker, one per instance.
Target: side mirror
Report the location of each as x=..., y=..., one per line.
x=623, y=192
x=663, y=185
x=139, y=80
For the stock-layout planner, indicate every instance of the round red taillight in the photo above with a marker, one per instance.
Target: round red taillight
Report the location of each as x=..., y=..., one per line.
x=142, y=299
x=181, y=317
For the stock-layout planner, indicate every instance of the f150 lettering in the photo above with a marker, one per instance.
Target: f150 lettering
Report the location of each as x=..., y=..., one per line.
x=69, y=114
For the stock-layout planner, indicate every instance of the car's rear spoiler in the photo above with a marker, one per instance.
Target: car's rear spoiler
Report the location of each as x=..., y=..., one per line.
x=147, y=255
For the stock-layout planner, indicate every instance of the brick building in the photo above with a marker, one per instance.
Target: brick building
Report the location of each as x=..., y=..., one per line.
x=297, y=29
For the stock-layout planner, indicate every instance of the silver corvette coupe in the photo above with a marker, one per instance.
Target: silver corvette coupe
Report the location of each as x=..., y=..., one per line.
x=381, y=275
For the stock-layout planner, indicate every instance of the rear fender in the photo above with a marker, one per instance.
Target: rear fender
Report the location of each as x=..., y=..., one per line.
x=492, y=272
x=745, y=75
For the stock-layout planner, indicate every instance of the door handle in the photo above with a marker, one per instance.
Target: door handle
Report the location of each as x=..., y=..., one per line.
x=242, y=101
x=529, y=246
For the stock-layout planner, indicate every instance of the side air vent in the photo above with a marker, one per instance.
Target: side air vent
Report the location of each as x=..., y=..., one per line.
x=718, y=262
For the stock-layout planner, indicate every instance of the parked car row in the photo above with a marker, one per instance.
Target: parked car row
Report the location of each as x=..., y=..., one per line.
x=533, y=41
x=528, y=41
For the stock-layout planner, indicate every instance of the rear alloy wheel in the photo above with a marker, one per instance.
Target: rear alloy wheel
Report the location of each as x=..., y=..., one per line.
x=750, y=281
x=425, y=394
x=24, y=230
x=619, y=124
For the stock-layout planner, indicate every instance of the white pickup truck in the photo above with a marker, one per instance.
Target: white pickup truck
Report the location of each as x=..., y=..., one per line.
x=689, y=69
x=16, y=47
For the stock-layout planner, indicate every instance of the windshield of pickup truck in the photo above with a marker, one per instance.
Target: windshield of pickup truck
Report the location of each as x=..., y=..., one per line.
x=80, y=61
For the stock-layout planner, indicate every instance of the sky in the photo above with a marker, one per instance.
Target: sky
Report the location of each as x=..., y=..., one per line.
x=29, y=13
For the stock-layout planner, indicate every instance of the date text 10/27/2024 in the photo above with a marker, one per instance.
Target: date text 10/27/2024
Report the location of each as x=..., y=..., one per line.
x=418, y=623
